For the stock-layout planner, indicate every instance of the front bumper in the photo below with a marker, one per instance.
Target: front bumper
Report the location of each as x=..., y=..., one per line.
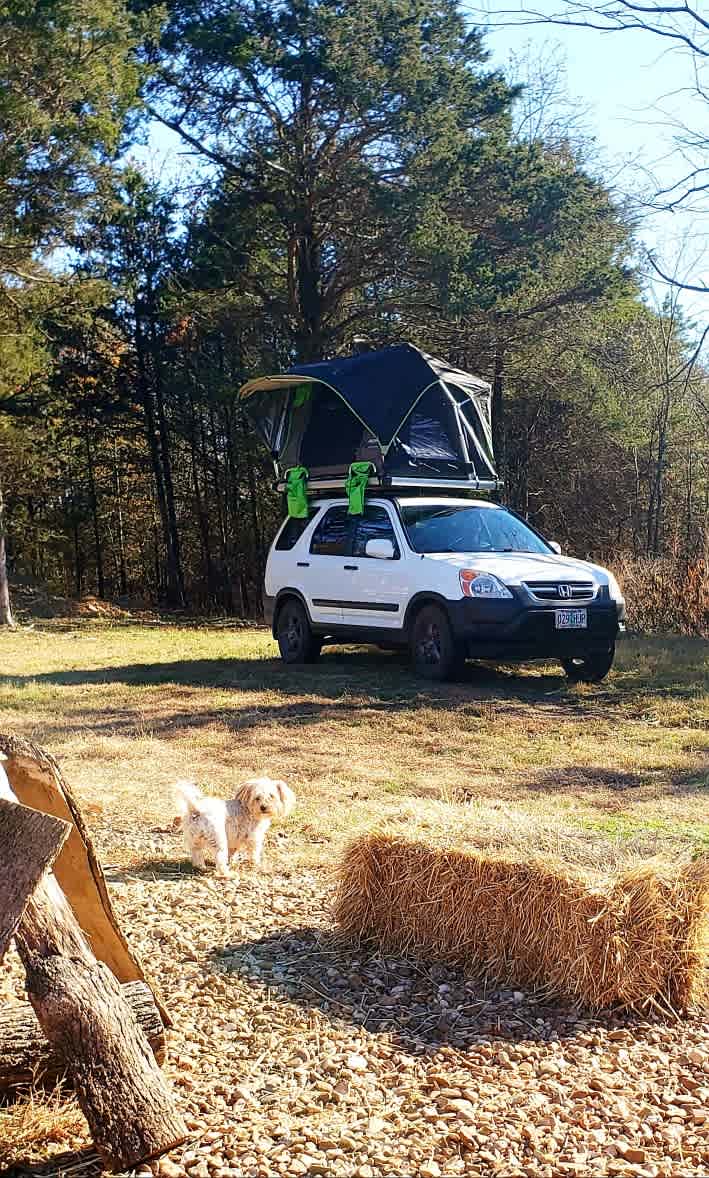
x=522, y=628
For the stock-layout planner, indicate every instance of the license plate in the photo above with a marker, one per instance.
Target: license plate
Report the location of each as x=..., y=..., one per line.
x=570, y=619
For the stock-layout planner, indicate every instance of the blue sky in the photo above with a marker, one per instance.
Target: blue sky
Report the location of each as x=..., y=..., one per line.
x=630, y=86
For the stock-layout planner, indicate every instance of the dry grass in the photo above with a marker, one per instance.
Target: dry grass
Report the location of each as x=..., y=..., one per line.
x=619, y=770
x=38, y=1125
x=128, y=709
x=666, y=594
x=636, y=939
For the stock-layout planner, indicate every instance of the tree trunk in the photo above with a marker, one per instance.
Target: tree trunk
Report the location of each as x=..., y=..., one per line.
x=122, y=572
x=255, y=528
x=100, y=580
x=176, y=578
x=6, y=618
x=152, y=432
x=499, y=430
x=202, y=515
x=26, y=1057
x=79, y=1005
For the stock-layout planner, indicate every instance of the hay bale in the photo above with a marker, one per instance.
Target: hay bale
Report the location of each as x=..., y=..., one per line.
x=636, y=939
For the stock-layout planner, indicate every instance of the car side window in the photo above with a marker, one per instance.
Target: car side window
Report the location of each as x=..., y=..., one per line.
x=375, y=524
x=331, y=536
x=292, y=531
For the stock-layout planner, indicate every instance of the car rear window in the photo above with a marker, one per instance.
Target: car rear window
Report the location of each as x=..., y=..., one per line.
x=292, y=531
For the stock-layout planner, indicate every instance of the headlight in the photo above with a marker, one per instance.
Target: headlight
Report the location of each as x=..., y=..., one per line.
x=477, y=584
x=614, y=589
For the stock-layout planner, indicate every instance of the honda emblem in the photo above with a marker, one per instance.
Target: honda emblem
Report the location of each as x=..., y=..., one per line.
x=565, y=591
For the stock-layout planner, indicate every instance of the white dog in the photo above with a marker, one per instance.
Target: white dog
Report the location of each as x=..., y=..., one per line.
x=215, y=829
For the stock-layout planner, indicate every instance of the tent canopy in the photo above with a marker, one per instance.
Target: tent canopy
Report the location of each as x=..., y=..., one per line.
x=412, y=415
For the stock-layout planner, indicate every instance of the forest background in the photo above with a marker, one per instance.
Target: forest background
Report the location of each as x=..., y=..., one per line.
x=354, y=171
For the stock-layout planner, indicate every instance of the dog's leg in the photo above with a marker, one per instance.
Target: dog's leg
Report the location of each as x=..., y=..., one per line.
x=198, y=860
x=221, y=856
x=254, y=850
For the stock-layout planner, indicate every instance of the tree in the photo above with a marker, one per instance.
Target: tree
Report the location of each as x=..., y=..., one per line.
x=131, y=245
x=6, y=618
x=69, y=77
x=328, y=123
x=509, y=257
x=680, y=28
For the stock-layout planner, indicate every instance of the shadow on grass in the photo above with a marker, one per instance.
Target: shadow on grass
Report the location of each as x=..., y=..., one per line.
x=361, y=672
x=422, y=1005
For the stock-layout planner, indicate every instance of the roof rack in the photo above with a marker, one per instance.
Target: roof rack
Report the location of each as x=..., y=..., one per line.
x=396, y=486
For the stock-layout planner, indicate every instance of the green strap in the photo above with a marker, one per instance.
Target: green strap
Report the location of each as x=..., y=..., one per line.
x=356, y=485
x=297, y=492
x=301, y=395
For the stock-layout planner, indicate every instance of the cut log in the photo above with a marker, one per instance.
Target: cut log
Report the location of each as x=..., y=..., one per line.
x=27, y=1058
x=29, y=843
x=36, y=780
x=123, y=1094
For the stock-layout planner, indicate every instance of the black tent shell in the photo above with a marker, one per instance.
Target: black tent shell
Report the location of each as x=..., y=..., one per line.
x=421, y=422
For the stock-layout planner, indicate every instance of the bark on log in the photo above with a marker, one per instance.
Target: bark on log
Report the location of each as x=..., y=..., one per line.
x=120, y=1088
x=27, y=1058
x=122, y=1093
x=36, y=781
x=29, y=842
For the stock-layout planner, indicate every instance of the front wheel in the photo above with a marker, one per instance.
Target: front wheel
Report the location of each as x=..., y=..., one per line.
x=434, y=653
x=296, y=640
x=589, y=668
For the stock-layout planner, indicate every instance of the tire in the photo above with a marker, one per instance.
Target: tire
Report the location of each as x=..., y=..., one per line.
x=434, y=654
x=296, y=640
x=589, y=668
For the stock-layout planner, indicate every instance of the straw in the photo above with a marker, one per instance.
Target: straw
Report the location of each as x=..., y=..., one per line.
x=636, y=938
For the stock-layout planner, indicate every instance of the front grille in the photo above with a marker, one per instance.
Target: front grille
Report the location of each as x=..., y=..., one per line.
x=561, y=591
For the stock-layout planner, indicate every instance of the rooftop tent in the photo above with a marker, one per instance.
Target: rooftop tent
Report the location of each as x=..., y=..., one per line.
x=421, y=422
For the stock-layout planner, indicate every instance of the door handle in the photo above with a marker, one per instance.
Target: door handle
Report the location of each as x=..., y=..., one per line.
x=351, y=568
x=303, y=564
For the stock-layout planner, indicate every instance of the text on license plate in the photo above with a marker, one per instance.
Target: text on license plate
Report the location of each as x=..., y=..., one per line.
x=570, y=619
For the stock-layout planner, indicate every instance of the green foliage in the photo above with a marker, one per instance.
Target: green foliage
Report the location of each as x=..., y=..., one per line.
x=323, y=117
x=357, y=172
x=69, y=77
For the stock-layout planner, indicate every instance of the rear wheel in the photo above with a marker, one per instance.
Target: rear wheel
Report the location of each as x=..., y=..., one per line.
x=434, y=653
x=589, y=668
x=296, y=640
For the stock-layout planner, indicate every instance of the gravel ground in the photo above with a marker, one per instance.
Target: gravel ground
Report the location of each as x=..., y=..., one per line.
x=294, y=1054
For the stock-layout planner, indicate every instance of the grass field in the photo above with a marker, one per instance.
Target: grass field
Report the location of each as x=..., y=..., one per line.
x=128, y=708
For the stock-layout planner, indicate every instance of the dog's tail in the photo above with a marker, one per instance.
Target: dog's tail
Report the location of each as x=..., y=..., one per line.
x=186, y=795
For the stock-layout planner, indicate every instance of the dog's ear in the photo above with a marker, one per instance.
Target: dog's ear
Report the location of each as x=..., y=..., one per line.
x=245, y=793
x=287, y=797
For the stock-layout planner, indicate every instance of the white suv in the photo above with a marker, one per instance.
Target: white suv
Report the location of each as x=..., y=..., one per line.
x=449, y=578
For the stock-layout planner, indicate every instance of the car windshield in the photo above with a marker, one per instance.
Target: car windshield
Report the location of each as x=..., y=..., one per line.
x=457, y=528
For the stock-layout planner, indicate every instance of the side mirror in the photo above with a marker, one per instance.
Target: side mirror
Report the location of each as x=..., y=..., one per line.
x=381, y=549
x=555, y=546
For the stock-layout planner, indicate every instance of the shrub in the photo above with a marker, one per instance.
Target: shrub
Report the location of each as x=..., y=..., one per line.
x=666, y=593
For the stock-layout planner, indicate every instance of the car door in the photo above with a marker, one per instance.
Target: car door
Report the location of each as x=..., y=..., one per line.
x=378, y=589
x=326, y=578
